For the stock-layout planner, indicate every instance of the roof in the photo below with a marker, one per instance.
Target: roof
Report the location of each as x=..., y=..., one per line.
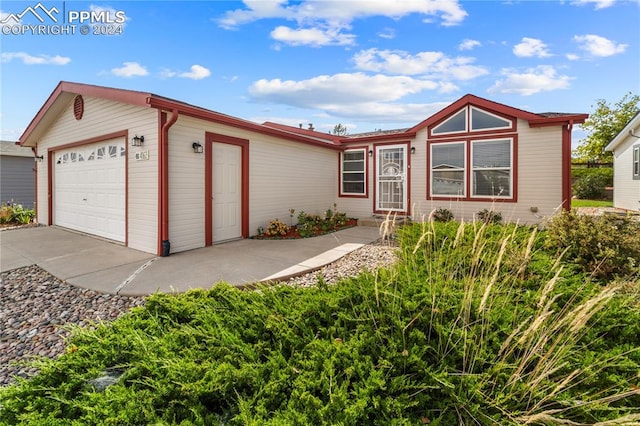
x=305, y=132
x=10, y=149
x=65, y=91
x=535, y=120
x=627, y=131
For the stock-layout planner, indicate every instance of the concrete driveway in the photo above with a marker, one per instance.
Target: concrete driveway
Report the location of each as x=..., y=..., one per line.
x=89, y=262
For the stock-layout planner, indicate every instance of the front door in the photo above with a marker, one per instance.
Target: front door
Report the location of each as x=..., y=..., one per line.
x=227, y=192
x=391, y=178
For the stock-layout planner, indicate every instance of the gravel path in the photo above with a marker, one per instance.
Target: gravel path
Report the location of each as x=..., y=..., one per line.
x=35, y=306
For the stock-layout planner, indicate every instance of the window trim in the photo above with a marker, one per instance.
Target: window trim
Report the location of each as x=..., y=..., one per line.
x=513, y=198
x=447, y=118
x=464, y=170
x=341, y=173
x=509, y=126
x=472, y=169
x=635, y=162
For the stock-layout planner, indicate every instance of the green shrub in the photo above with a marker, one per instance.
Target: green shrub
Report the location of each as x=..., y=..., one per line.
x=489, y=216
x=442, y=215
x=590, y=187
x=605, y=172
x=15, y=213
x=476, y=324
x=604, y=245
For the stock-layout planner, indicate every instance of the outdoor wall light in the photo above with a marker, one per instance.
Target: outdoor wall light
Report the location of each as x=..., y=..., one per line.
x=413, y=150
x=370, y=153
x=197, y=147
x=39, y=158
x=137, y=140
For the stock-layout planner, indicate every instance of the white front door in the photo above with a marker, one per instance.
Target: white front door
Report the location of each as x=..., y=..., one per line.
x=89, y=189
x=227, y=192
x=391, y=178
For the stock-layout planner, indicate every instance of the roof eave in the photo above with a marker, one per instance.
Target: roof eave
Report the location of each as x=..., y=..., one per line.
x=626, y=131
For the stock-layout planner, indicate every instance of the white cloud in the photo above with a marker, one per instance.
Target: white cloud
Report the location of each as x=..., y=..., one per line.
x=572, y=56
x=28, y=59
x=314, y=37
x=469, y=44
x=198, y=72
x=529, y=47
x=342, y=12
x=599, y=4
x=598, y=46
x=433, y=64
x=344, y=88
x=323, y=22
x=543, y=78
x=130, y=69
x=387, y=33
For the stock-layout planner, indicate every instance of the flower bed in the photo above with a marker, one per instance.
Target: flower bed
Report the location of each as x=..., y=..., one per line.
x=307, y=226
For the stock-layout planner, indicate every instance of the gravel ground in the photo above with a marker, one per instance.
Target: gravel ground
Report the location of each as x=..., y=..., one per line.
x=35, y=306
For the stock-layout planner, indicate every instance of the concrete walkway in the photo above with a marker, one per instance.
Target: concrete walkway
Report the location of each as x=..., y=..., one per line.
x=107, y=267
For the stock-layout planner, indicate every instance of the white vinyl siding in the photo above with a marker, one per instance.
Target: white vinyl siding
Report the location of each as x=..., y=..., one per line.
x=101, y=117
x=626, y=184
x=353, y=173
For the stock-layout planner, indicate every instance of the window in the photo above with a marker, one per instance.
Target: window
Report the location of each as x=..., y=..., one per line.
x=353, y=172
x=636, y=162
x=483, y=120
x=491, y=168
x=448, y=169
x=457, y=123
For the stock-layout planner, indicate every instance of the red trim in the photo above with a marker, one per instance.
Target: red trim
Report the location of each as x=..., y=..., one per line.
x=96, y=139
x=566, y=167
x=387, y=137
x=511, y=119
x=304, y=132
x=150, y=100
x=559, y=120
x=34, y=150
x=467, y=140
x=162, y=119
x=216, y=117
x=210, y=138
x=366, y=172
x=375, y=178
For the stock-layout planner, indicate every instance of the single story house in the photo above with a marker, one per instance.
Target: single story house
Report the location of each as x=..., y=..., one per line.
x=17, y=179
x=163, y=176
x=626, y=166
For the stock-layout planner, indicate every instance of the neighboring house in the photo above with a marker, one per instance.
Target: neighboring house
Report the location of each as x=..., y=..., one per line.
x=626, y=166
x=17, y=180
x=200, y=177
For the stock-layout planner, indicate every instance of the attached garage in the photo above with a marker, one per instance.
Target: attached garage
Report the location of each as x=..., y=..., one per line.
x=89, y=192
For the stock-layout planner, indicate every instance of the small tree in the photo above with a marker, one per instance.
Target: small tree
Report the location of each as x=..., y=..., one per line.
x=340, y=130
x=604, y=124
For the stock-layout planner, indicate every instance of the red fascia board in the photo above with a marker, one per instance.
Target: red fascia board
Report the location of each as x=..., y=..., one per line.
x=379, y=138
x=304, y=132
x=478, y=102
x=208, y=115
x=127, y=96
x=559, y=120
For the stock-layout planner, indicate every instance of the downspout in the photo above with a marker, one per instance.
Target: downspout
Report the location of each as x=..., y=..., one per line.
x=566, y=166
x=164, y=183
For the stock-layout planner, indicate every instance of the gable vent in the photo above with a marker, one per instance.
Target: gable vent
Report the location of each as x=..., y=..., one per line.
x=78, y=107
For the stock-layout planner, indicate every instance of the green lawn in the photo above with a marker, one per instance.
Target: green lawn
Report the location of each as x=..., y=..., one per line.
x=591, y=203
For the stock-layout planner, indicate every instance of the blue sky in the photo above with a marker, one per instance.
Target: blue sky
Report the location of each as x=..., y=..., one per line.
x=366, y=64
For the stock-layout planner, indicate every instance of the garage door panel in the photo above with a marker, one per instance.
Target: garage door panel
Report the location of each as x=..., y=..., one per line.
x=89, y=189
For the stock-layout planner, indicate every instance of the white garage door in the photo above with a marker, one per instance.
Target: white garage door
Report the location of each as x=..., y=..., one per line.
x=89, y=189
